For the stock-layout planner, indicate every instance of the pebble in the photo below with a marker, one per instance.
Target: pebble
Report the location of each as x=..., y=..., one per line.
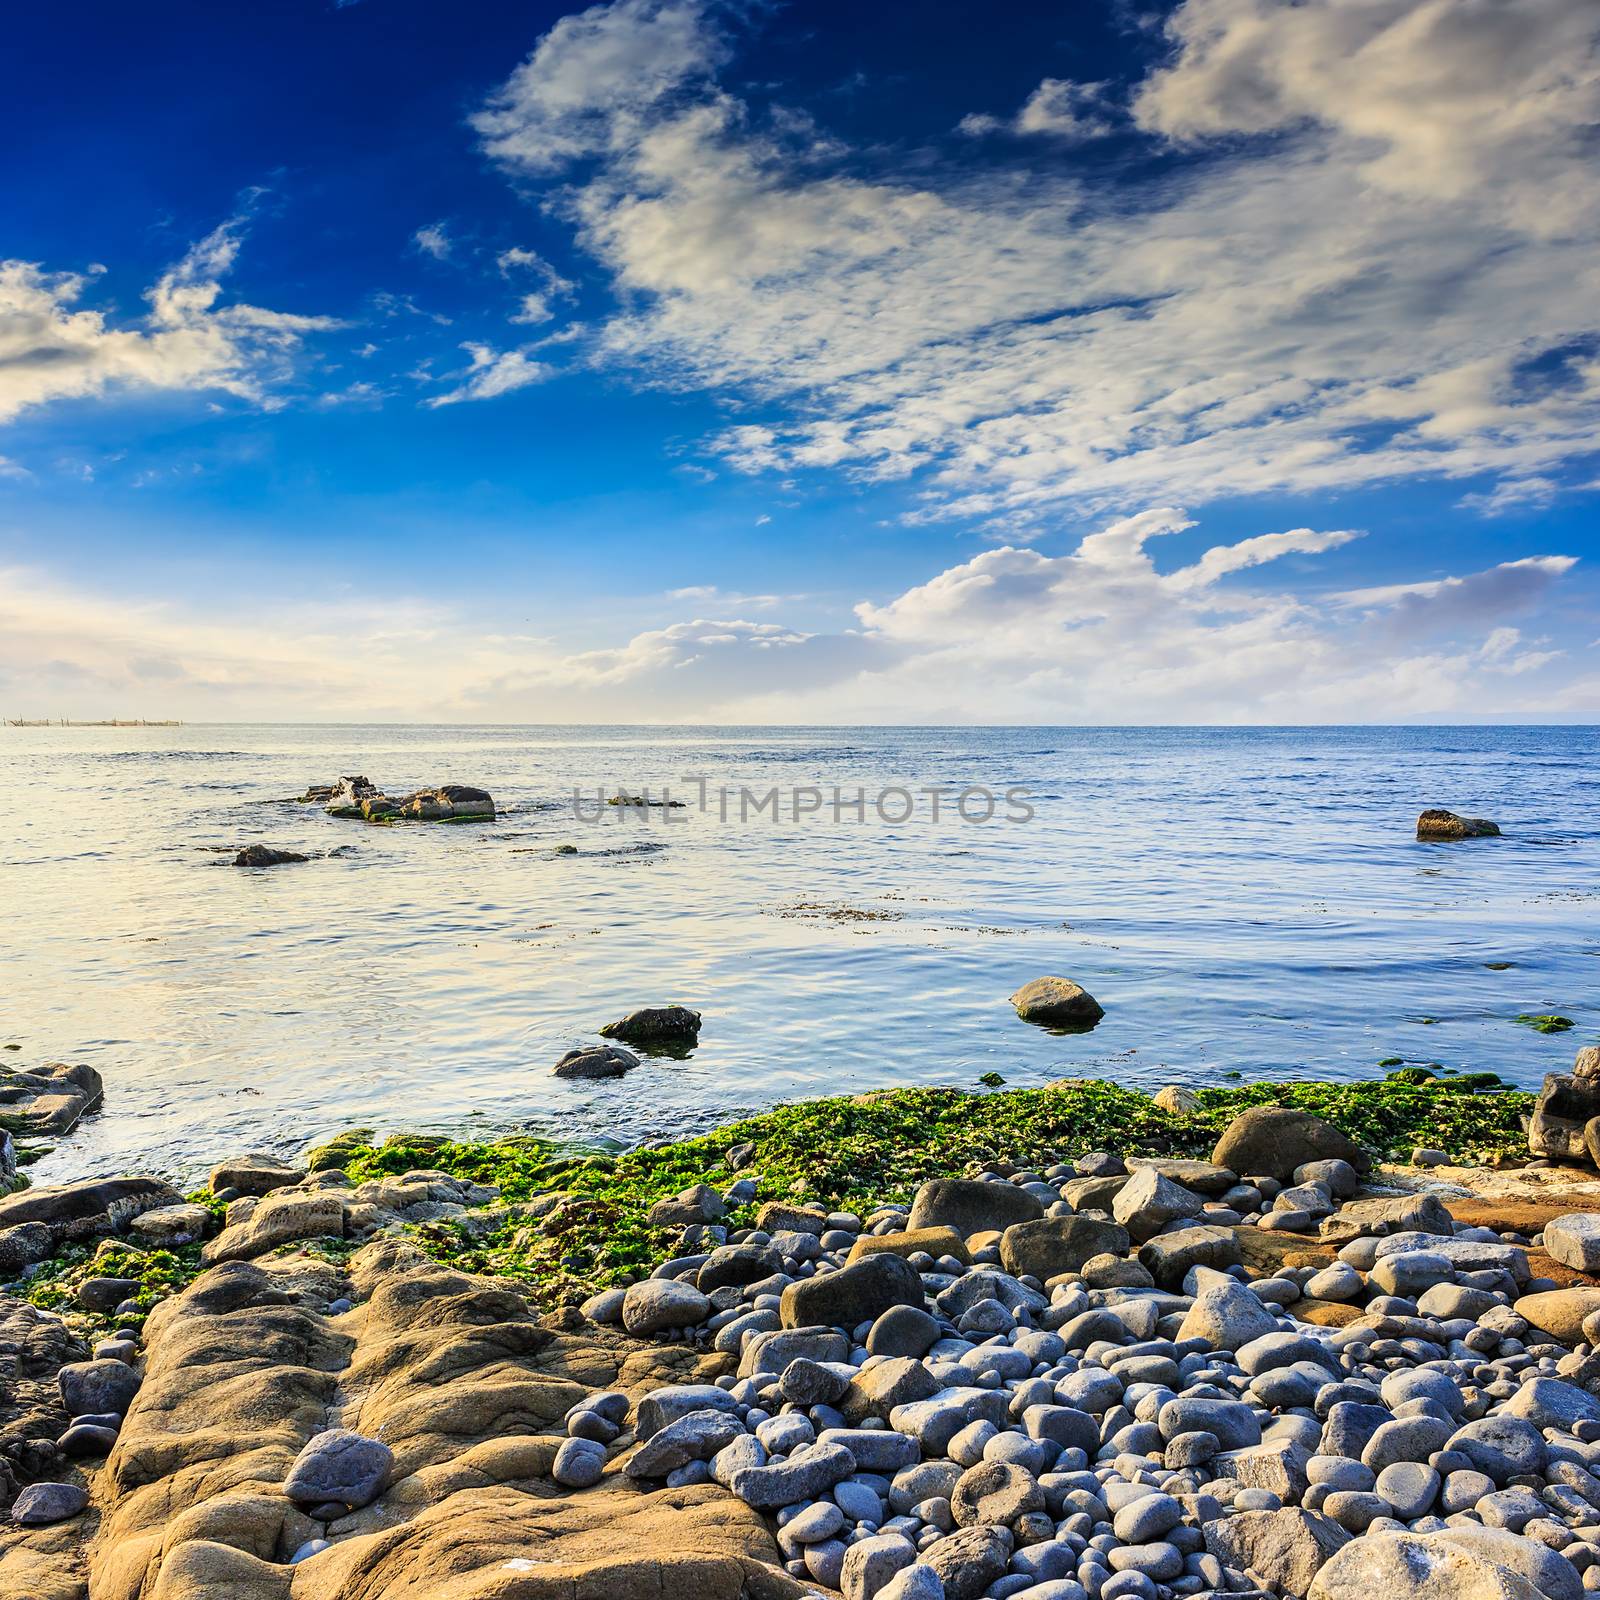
x=1073, y=1435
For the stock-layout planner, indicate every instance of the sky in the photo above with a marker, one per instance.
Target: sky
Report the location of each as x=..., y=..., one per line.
x=1120, y=361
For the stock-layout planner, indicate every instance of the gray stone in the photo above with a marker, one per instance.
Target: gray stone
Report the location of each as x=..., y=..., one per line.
x=1406, y=1566
x=1170, y=1257
x=1148, y=1202
x=872, y=1562
x=1053, y=1245
x=903, y=1331
x=919, y=1582
x=971, y=1206
x=41, y=1504
x=698, y=1203
x=1227, y=1315
x=1235, y=1424
x=696, y=1437
x=666, y=1405
x=1550, y=1403
x=579, y=1463
x=1502, y=1447
x=858, y=1293
x=1406, y=1439
x=875, y=1449
x=1281, y=1550
x=88, y=1387
x=1410, y=1487
x=772, y=1352
x=970, y=1560
x=341, y=1466
x=804, y=1476
x=1550, y=1573
x=656, y=1303
x=994, y=1493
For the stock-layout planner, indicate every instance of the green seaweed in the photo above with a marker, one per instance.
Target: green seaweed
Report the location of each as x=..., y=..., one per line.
x=1546, y=1023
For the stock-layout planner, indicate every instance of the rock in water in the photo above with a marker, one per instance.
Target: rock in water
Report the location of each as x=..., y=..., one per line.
x=1272, y=1141
x=1439, y=824
x=652, y=1024
x=339, y=1465
x=595, y=1061
x=264, y=855
x=1057, y=1003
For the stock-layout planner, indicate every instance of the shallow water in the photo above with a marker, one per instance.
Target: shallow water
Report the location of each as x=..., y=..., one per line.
x=1245, y=902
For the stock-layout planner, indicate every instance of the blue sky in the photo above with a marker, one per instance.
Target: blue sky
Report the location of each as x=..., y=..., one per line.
x=1222, y=360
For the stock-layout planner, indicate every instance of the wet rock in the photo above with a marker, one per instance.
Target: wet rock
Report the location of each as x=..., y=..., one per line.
x=254, y=1173
x=1439, y=824
x=46, y=1100
x=671, y=1024
x=1273, y=1141
x=1057, y=1003
x=262, y=855
x=595, y=1061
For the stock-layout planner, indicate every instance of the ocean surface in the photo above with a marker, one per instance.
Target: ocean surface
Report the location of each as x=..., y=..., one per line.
x=1247, y=904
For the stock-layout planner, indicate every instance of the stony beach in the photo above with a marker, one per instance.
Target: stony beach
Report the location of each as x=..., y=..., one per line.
x=1064, y=1344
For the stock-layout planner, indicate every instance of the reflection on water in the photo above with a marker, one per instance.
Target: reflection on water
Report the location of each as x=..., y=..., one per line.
x=1243, y=902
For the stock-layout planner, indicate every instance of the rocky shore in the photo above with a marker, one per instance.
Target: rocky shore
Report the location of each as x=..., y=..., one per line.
x=1060, y=1344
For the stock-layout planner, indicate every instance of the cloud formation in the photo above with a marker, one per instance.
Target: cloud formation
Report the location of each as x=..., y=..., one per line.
x=190, y=338
x=1386, y=221
x=1101, y=633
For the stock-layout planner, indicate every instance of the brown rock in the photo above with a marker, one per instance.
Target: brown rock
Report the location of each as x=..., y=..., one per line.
x=1274, y=1140
x=1560, y=1312
x=1440, y=824
x=937, y=1242
x=1057, y=1003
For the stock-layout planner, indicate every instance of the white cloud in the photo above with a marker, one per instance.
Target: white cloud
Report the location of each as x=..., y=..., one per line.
x=433, y=240
x=189, y=339
x=493, y=373
x=1387, y=229
x=1101, y=633
x=537, y=305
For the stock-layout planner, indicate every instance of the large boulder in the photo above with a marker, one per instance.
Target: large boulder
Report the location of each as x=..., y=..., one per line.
x=1574, y=1240
x=48, y=1099
x=88, y=1208
x=1407, y=1566
x=1440, y=824
x=1567, y=1103
x=1057, y=1003
x=278, y=1219
x=1271, y=1141
x=1053, y=1245
x=1281, y=1550
x=254, y=1173
x=851, y=1295
x=971, y=1205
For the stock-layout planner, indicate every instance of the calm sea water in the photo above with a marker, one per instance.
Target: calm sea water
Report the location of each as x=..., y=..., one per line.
x=1243, y=902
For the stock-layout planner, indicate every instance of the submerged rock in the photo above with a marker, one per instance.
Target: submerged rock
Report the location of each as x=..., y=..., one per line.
x=595, y=1061
x=263, y=855
x=1057, y=1003
x=652, y=1023
x=1440, y=824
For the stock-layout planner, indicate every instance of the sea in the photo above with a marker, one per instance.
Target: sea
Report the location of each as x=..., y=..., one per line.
x=848, y=908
